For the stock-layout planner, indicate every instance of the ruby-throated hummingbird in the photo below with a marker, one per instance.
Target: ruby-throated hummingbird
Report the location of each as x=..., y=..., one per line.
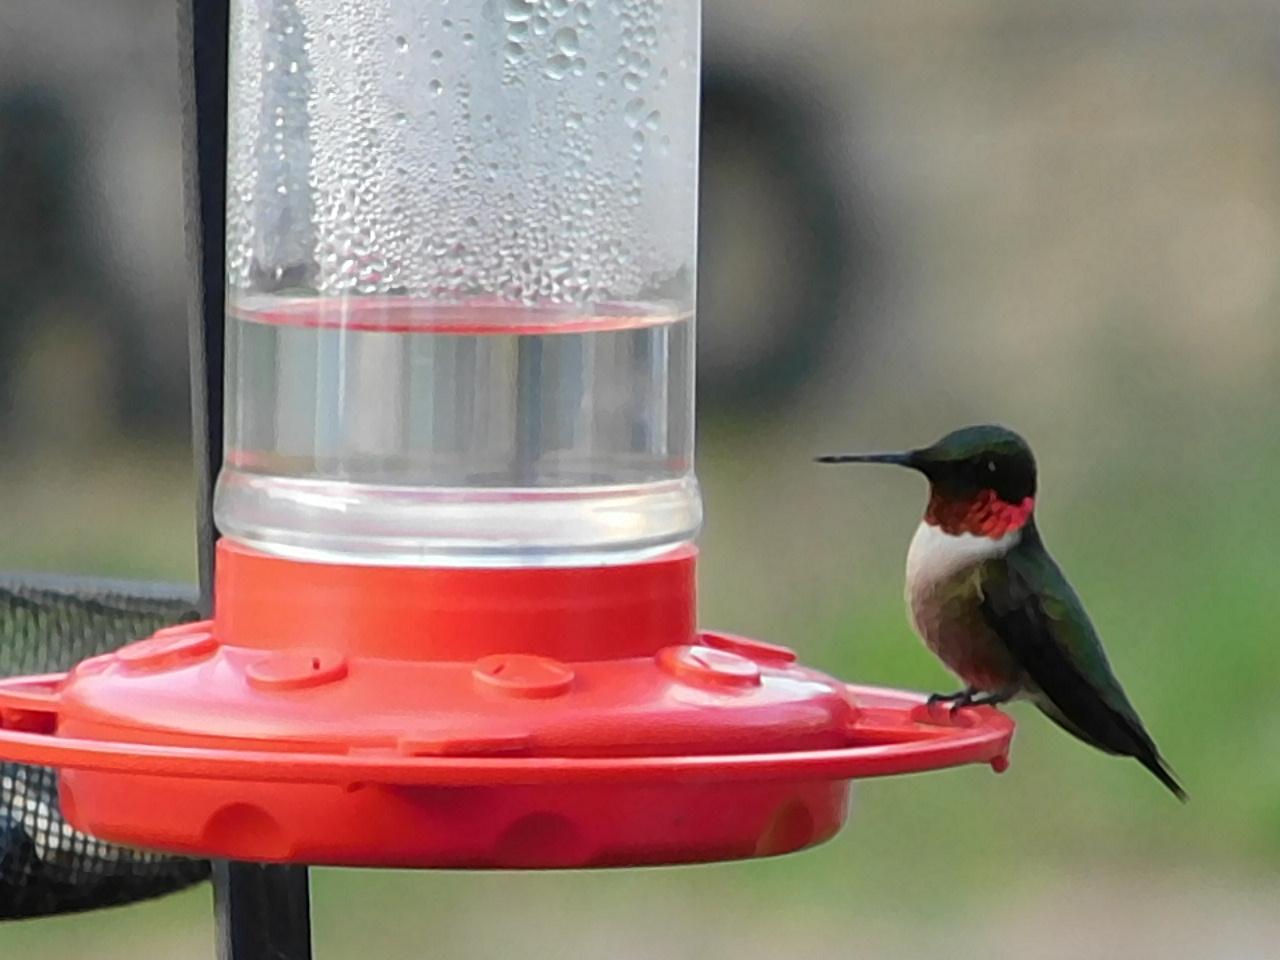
x=987, y=598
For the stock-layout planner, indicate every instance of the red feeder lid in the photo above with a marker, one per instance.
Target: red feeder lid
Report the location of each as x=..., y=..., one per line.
x=470, y=718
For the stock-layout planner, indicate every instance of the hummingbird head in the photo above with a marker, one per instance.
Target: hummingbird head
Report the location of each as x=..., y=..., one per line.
x=982, y=479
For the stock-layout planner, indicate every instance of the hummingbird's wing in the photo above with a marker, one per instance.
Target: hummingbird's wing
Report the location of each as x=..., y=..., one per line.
x=1034, y=611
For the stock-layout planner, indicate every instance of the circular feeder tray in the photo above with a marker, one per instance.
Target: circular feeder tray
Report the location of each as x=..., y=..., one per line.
x=404, y=743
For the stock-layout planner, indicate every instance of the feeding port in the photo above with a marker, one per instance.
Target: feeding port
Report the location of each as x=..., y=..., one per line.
x=455, y=618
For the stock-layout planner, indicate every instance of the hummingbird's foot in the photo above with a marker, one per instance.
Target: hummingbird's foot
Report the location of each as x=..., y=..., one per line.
x=990, y=699
x=960, y=697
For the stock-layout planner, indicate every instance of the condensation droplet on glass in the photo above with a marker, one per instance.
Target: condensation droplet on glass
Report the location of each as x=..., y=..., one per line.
x=518, y=10
x=558, y=66
x=566, y=41
x=436, y=88
x=468, y=39
x=402, y=42
x=437, y=55
x=513, y=51
x=634, y=112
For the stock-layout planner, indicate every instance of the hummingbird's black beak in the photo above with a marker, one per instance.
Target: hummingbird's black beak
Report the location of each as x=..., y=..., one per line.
x=907, y=459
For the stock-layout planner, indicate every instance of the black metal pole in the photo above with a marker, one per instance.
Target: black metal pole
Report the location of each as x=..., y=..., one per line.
x=263, y=911
x=202, y=30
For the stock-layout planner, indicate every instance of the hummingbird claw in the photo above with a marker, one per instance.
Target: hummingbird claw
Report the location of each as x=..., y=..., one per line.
x=958, y=697
x=993, y=699
x=972, y=698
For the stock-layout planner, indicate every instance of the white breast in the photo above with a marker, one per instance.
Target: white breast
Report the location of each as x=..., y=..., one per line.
x=935, y=557
x=943, y=602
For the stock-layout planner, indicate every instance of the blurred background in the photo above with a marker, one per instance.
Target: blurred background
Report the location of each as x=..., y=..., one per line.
x=1063, y=216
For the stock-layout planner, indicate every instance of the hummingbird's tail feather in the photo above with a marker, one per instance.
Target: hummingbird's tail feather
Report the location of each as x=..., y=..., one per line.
x=1160, y=770
x=1137, y=744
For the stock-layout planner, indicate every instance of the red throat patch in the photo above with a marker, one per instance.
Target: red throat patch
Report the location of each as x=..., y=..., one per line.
x=984, y=515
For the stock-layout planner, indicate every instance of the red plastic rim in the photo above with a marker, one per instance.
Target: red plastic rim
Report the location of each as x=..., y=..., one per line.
x=921, y=738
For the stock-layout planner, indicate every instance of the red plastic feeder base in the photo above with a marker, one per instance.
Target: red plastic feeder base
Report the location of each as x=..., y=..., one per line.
x=404, y=717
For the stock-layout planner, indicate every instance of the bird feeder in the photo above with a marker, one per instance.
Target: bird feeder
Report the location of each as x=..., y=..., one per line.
x=455, y=617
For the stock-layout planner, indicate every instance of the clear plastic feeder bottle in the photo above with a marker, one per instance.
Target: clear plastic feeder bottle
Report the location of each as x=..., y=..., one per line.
x=461, y=251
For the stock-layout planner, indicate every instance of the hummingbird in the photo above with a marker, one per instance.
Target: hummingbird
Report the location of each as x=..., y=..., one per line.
x=990, y=602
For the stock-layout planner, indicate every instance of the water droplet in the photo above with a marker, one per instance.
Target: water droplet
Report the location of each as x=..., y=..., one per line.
x=402, y=43
x=468, y=39
x=634, y=112
x=558, y=66
x=436, y=88
x=566, y=41
x=651, y=121
x=513, y=51
x=541, y=25
x=518, y=10
x=437, y=55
